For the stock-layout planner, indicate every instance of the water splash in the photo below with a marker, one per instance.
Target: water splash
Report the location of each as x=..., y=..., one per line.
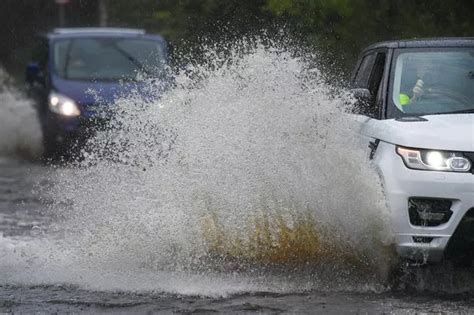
x=247, y=174
x=19, y=127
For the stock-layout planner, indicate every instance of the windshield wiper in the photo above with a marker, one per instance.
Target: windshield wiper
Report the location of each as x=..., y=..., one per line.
x=462, y=111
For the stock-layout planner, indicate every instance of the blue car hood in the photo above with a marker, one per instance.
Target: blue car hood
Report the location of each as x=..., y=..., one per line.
x=94, y=96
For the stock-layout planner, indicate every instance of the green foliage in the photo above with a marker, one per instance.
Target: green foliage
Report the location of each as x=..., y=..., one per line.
x=339, y=29
x=184, y=19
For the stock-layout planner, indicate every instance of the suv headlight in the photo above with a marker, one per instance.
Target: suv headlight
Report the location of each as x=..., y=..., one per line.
x=434, y=160
x=63, y=105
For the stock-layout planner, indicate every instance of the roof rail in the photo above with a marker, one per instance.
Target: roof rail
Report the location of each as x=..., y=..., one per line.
x=77, y=30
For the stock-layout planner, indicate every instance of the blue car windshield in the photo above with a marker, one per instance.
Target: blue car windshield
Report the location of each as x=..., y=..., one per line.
x=108, y=59
x=427, y=82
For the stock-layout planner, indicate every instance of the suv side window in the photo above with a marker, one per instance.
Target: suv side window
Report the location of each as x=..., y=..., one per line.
x=362, y=76
x=370, y=77
x=377, y=73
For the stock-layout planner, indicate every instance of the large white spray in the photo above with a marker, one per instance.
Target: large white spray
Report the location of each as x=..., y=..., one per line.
x=20, y=132
x=242, y=152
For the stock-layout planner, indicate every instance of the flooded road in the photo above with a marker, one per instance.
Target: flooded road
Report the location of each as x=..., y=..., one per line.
x=22, y=213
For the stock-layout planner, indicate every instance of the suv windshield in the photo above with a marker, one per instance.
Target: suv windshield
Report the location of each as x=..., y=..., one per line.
x=428, y=82
x=107, y=59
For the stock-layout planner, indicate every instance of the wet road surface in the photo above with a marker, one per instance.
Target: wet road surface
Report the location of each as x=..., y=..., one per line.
x=22, y=214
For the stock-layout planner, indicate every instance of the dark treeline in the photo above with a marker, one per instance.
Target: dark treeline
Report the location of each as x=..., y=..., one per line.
x=338, y=29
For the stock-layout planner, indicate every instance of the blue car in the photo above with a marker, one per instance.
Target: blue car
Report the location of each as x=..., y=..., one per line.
x=74, y=68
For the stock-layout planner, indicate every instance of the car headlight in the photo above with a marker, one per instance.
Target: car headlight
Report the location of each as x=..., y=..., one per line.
x=63, y=105
x=434, y=160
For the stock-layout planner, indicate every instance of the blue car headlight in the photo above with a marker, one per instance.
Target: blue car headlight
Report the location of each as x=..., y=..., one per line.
x=63, y=105
x=434, y=160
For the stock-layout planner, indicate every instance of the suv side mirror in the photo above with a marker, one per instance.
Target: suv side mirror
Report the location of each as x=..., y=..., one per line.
x=33, y=74
x=363, y=102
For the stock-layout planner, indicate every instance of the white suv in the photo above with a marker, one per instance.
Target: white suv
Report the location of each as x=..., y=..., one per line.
x=415, y=101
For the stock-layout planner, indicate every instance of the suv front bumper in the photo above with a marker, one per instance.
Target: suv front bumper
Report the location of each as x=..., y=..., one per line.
x=401, y=183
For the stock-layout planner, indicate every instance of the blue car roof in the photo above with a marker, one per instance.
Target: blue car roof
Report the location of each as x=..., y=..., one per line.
x=60, y=33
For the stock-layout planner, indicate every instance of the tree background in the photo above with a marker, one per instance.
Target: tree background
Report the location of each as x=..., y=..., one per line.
x=338, y=29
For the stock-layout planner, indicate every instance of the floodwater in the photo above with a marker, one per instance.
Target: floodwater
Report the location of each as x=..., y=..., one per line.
x=21, y=213
x=242, y=189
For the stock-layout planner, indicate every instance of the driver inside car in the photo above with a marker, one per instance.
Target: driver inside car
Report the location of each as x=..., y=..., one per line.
x=417, y=90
